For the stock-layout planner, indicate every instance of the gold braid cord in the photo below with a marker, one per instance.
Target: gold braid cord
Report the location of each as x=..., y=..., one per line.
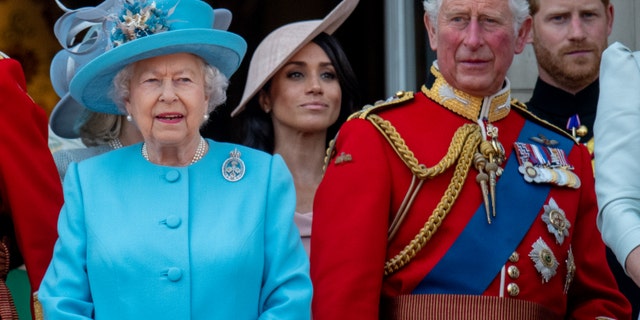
x=7, y=307
x=461, y=150
x=418, y=169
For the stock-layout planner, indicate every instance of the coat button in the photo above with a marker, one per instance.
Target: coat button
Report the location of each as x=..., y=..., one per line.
x=172, y=176
x=173, y=221
x=513, y=289
x=174, y=274
x=513, y=272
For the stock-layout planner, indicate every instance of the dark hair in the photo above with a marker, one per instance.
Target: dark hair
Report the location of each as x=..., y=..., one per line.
x=258, y=127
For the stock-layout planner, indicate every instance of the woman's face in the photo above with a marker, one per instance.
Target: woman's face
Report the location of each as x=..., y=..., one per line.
x=305, y=94
x=167, y=98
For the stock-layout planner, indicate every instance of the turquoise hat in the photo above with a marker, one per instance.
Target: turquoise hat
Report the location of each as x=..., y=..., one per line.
x=143, y=29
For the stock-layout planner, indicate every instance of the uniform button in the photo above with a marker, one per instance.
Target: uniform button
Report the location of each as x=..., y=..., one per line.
x=514, y=257
x=174, y=274
x=513, y=289
x=172, y=176
x=173, y=221
x=513, y=272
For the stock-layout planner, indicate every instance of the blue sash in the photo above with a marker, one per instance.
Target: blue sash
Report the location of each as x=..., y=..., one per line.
x=477, y=256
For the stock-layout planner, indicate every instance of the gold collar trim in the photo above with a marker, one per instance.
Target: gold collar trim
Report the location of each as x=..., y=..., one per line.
x=466, y=105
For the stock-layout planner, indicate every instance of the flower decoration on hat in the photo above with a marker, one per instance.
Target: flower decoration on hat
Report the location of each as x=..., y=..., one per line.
x=557, y=222
x=139, y=19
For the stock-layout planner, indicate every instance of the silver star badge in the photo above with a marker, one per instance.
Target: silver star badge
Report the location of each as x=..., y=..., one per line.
x=544, y=259
x=557, y=222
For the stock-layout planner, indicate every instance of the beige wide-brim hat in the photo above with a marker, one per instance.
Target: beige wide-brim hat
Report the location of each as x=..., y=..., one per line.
x=283, y=43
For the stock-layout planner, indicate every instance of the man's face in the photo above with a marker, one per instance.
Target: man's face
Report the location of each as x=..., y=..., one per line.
x=568, y=39
x=475, y=42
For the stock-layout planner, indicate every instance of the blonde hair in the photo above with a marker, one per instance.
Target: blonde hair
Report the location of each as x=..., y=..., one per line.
x=98, y=128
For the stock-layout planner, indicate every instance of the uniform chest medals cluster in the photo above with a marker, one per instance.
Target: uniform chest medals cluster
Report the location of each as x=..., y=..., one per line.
x=539, y=162
x=545, y=164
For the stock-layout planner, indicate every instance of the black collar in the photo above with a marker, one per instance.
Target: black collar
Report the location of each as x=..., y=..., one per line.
x=557, y=106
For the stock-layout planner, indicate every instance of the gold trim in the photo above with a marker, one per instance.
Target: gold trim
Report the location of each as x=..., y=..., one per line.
x=465, y=104
x=398, y=98
x=457, y=306
x=38, y=314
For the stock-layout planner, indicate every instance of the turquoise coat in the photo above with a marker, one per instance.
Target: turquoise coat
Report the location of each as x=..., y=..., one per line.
x=144, y=241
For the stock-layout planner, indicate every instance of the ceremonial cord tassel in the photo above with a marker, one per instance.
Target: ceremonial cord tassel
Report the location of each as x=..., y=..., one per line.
x=482, y=178
x=492, y=167
x=491, y=156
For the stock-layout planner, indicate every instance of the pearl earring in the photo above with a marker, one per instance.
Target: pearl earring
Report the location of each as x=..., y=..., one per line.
x=206, y=116
x=129, y=118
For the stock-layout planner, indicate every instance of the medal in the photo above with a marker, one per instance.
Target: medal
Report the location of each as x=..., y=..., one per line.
x=556, y=220
x=544, y=259
x=571, y=270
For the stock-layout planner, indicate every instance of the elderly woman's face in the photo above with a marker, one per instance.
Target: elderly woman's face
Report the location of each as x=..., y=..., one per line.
x=167, y=98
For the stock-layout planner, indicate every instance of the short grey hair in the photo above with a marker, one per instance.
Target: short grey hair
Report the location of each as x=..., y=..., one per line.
x=215, y=86
x=519, y=8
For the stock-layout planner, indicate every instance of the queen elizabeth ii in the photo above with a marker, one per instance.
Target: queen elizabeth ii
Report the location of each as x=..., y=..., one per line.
x=178, y=226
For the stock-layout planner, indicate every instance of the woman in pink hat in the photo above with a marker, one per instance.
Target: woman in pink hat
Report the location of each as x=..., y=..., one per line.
x=300, y=89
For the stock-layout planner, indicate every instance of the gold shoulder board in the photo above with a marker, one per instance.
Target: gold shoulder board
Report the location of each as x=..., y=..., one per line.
x=395, y=100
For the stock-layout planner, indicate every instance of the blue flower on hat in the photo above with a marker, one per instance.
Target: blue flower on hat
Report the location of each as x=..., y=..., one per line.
x=139, y=19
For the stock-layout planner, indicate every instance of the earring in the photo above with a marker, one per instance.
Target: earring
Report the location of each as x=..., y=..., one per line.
x=206, y=116
x=129, y=118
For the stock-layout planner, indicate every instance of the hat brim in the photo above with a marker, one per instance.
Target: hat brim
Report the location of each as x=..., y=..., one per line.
x=64, y=116
x=92, y=84
x=307, y=31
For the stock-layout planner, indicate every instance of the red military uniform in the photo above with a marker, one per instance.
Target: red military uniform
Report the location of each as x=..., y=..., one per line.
x=30, y=189
x=556, y=263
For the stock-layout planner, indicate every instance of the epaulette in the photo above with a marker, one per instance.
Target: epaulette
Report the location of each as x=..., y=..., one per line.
x=521, y=108
x=393, y=101
x=396, y=100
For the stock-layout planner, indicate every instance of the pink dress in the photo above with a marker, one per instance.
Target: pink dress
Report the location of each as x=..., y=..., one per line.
x=303, y=221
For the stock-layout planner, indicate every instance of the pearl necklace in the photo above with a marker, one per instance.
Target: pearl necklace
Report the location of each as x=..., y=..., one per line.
x=200, y=151
x=115, y=144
